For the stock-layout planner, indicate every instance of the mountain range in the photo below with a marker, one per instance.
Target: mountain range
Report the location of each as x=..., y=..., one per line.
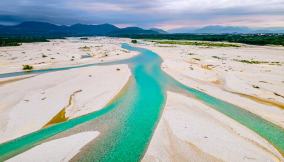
x=33, y=28
x=216, y=29
x=47, y=29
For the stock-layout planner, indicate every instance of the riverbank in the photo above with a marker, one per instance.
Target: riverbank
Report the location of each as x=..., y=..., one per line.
x=62, y=53
x=222, y=72
x=63, y=149
x=189, y=129
x=31, y=102
x=231, y=74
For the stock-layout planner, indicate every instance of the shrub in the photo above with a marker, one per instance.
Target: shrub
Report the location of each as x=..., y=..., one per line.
x=134, y=41
x=27, y=67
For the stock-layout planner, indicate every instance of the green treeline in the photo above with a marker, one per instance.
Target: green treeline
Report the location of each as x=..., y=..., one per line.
x=17, y=41
x=253, y=39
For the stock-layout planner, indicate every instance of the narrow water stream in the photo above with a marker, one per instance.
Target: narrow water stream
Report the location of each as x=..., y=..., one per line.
x=127, y=124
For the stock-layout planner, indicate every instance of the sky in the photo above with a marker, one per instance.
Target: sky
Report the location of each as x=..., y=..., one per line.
x=165, y=14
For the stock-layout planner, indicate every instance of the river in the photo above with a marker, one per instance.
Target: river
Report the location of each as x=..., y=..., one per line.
x=128, y=122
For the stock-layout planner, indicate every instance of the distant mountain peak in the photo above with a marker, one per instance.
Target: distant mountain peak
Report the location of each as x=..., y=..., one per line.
x=46, y=29
x=219, y=29
x=134, y=30
x=35, y=24
x=160, y=31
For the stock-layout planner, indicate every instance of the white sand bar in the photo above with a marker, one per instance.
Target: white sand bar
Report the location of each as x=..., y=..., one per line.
x=62, y=52
x=192, y=131
x=58, y=150
x=29, y=104
x=219, y=72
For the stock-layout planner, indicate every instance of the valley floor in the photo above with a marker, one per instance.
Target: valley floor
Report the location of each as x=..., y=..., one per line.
x=251, y=77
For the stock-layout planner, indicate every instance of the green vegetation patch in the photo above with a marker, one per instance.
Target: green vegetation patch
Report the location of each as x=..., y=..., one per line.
x=193, y=43
x=134, y=41
x=85, y=48
x=217, y=57
x=17, y=41
x=27, y=67
x=254, y=39
x=84, y=38
x=252, y=61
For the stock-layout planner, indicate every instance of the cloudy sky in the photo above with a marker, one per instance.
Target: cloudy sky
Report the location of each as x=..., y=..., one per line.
x=166, y=14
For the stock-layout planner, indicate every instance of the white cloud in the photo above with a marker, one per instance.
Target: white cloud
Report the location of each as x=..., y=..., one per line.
x=201, y=5
x=148, y=13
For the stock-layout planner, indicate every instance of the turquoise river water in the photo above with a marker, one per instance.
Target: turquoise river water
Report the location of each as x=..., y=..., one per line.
x=128, y=122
